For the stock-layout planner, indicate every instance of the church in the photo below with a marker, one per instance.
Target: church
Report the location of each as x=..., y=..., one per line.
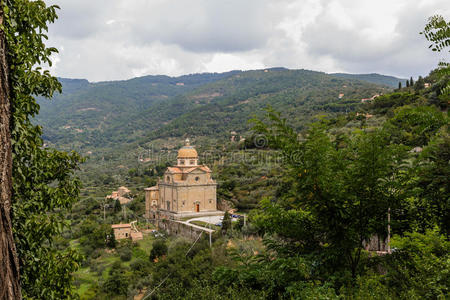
x=186, y=189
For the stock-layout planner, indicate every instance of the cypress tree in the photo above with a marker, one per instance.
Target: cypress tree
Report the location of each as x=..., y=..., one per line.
x=399, y=85
x=411, y=81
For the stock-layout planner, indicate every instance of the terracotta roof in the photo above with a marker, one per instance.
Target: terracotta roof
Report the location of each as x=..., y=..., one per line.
x=125, y=189
x=153, y=188
x=174, y=170
x=188, y=170
x=124, y=200
x=205, y=168
x=121, y=226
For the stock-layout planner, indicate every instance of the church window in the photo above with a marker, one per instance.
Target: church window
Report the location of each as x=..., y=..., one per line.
x=197, y=178
x=182, y=162
x=210, y=200
x=182, y=203
x=168, y=178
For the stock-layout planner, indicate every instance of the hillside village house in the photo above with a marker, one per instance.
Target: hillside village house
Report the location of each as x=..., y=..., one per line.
x=185, y=190
x=121, y=231
x=122, y=194
x=125, y=231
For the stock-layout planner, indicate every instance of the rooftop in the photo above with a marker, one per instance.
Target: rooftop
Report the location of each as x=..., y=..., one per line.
x=121, y=226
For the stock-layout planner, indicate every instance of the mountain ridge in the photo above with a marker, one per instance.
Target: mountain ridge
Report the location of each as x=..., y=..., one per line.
x=111, y=113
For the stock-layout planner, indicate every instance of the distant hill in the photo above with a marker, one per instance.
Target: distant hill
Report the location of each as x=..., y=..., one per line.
x=111, y=118
x=374, y=78
x=85, y=110
x=298, y=94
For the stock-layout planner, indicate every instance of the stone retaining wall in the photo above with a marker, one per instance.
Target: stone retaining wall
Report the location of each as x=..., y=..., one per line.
x=183, y=229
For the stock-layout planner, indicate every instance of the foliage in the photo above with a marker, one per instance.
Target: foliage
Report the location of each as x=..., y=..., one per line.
x=226, y=222
x=344, y=192
x=94, y=236
x=431, y=206
x=414, y=126
x=43, y=182
x=117, y=206
x=159, y=249
x=124, y=249
x=419, y=267
x=111, y=239
x=116, y=284
x=384, y=103
x=437, y=31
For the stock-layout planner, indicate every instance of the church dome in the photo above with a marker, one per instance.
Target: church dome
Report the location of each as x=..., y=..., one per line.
x=187, y=151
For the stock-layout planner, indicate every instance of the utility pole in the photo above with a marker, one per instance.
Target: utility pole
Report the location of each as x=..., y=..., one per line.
x=389, y=231
x=104, y=209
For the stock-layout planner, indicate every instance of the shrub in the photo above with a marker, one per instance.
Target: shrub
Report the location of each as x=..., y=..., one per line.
x=159, y=249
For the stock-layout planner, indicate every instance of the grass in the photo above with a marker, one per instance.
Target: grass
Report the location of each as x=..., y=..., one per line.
x=87, y=278
x=146, y=243
x=83, y=289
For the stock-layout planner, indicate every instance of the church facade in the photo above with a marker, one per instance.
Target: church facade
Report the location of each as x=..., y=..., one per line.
x=186, y=189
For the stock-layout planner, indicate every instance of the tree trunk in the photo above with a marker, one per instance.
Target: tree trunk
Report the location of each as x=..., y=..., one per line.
x=9, y=264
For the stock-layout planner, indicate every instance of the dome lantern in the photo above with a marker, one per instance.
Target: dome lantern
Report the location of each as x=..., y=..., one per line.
x=187, y=155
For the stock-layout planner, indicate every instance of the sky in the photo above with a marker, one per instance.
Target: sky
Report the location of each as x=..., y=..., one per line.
x=120, y=39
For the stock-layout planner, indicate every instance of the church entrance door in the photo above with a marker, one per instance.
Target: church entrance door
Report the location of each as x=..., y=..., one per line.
x=197, y=207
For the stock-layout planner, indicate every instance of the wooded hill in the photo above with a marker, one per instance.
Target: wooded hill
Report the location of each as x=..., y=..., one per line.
x=107, y=114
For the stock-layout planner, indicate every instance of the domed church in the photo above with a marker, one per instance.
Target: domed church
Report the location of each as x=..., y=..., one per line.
x=185, y=190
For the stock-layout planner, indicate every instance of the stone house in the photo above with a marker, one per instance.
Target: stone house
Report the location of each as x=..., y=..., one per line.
x=121, y=231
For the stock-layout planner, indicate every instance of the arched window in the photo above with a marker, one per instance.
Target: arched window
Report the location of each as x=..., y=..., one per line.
x=168, y=178
x=197, y=178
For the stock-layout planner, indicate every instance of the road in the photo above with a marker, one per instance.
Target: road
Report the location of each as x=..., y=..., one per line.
x=209, y=219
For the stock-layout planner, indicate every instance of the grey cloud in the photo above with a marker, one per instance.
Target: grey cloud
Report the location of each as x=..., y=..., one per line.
x=79, y=19
x=403, y=53
x=203, y=25
x=118, y=39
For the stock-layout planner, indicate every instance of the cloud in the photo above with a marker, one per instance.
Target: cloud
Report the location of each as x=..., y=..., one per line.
x=374, y=38
x=118, y=39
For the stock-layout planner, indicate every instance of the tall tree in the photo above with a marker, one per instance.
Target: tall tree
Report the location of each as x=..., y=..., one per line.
x=9, y=264
x=226, y=222
x=338, y=198
x=437, y=31
x=43, y=185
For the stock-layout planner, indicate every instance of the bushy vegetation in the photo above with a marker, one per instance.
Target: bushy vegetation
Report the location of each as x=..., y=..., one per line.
x=327, y=189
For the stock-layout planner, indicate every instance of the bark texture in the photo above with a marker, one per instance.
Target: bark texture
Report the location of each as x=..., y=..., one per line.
x=9, y=264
